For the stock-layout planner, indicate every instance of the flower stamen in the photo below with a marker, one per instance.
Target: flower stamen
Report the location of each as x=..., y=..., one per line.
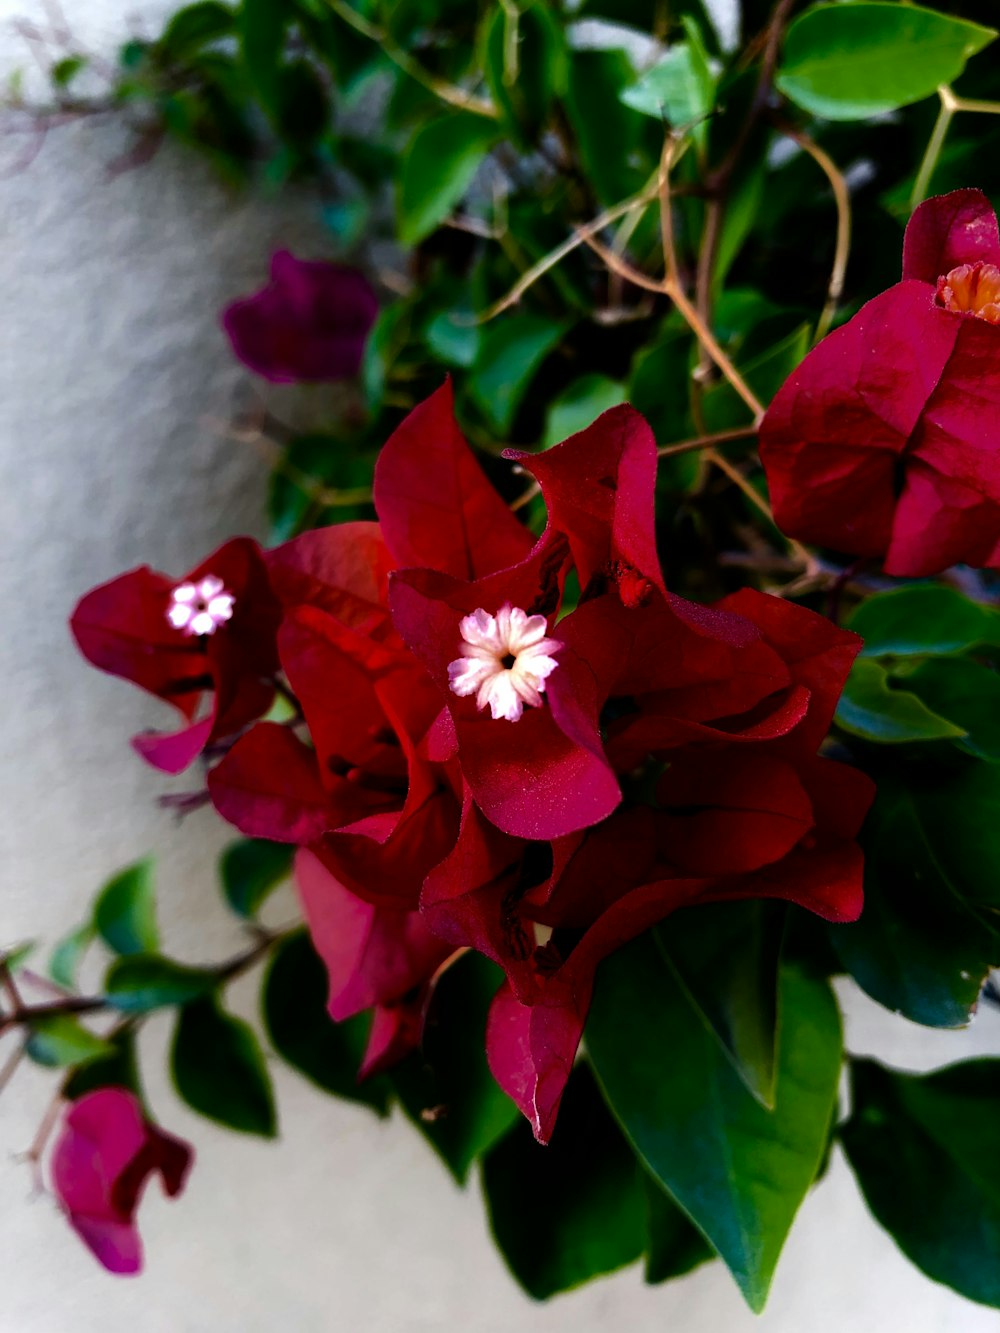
x=972, y=289
x=505, y=662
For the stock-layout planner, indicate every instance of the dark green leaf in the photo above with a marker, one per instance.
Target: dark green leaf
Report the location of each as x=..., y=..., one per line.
x=964, y=692
x=579, y=404
x=454, y=337
x=218, y=1069
x=852, y=61
x=870, y=707
x=925, y=1152
x=722, y=406
x=738, y=1170
x=959, y=811
x=923, y=619
x=262, y=26
x=125, y=911
x=673, y=1245
x=250, y=870
x=68, y=954
x=511, y=350
x=143, y=982
x=447, y=1088
x=118, y=1068
x=526, y=65
x=571, y=1210
x=303, y=1033
x=64, y=71
x=63, y=1040
x=727, y=956
x=385, y=342
x=443, y=157
x=918, y=948
x=196, y=26
x=610, y=136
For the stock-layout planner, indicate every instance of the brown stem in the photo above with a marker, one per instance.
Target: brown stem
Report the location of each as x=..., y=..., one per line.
x=706, y=441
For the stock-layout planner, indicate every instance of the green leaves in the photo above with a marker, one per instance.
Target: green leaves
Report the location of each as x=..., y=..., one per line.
x=250, y=870
x=872, y=708
x=580, y=404
x=526, y=65
x=62, y=1040
x=143, y=982
x=851, y=61
x=737, y=1169
x=919, y=947
x=680, y=89
x=446, y=1088
x=926, y=1154
x=219, y=1070
x=293, y=1003
x=442, y=159
x=125, y=911
x=567, y=1212
x=262, y=39
x=511, y=350
x=924, y=619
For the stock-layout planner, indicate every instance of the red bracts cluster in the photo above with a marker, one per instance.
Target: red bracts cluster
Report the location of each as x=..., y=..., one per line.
x=474, y=764
x=885, y=443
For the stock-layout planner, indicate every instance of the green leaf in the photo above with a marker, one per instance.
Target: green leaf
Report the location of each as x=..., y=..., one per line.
x=738, y=1170
x=453, y=337
x=385, y=342
x=854, y=61
x=925, y=1152
x=447, y=1089
x=443, y=157
x=959, y=811
x=526, y=64
x=572, y=1210
x=303, y=1033
x=196, y=26
x=68, y=954
x=918, y=948
x=143, y=982
x=673, y=1246
x=64, y=71
x=723, y=407
x=218, y=1069
x=62, y=1040
x=512, y=349
x=727, y=956
x=610, y=136
x=964, y=692
x=118, y=1068
x=250, y=870
x=923, y=619
x=125, y=911
x=680, y=89
x=871, y=708
x=15, y=957
x=262, y=40
x=579, y=404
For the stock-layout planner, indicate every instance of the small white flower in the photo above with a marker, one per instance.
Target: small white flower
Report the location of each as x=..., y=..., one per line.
x=505, y=661
x=200, y=608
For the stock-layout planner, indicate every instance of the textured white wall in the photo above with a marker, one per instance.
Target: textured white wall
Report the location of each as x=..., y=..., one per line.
x=110, y=359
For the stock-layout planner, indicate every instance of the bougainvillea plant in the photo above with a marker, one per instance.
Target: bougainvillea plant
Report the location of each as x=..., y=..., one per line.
x=622, y=664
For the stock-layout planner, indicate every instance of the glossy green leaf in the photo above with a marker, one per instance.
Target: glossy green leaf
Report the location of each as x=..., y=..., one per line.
x=727, y=956
x=678, y=90
x=446, y=1088
x=966, y=693
x=610, y=135
x=299, y=1028
x=196, y=26
x=918, y=948
x=219, y=1070
x=512, y=349
x=68, y=954
x=579, y=405
x=673, y=1245
x=125, y=911
x=737, y=1169
x=852, y=61
x=63, y=1040
x=870, y=707
x=573, y=1209
x=262, y=26
x=925, y=1152
x=250, y=870
x=959, y=811
x=443, y=157
x=923, y=619
x=143, y=982
x=453, y=337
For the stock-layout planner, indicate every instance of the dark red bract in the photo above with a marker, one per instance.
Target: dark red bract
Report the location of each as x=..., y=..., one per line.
x=309, y=323
x=885, y=442
x=105, y=1153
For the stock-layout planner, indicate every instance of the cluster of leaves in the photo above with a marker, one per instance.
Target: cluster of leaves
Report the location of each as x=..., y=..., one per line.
x=697, y=1123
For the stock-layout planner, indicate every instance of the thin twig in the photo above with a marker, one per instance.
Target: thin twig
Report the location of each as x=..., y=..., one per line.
x=842, y=248
x=706, y=441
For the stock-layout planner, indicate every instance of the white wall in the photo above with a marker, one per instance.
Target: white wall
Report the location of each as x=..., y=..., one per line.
x=110, y=359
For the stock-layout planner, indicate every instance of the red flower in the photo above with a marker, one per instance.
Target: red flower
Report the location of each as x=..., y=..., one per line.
x=310, y=322
x=104, y=1155
x=884, y=442
x=209, y=635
